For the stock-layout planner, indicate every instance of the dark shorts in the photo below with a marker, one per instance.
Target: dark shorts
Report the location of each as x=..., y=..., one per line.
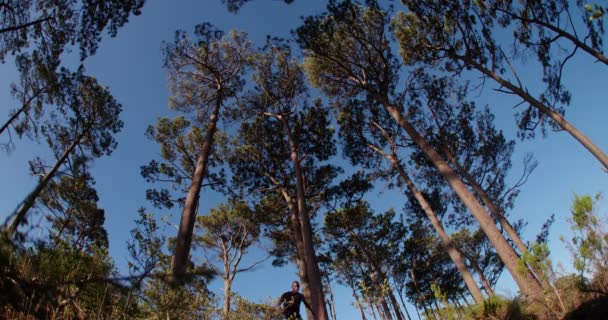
x=293, y=316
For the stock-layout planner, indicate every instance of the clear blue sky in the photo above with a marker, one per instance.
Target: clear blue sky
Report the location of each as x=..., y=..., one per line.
x=131, y=66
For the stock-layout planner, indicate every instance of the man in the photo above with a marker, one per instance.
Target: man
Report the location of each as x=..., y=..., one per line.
x=290, y=303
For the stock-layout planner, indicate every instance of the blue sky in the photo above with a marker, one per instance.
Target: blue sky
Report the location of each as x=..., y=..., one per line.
x=131, y=66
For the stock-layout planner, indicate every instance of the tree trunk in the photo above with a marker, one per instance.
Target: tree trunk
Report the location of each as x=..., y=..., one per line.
x=419, y=294
x=484, y=280
x=331, y=302
x=19, y=214
x=186, y=225
x=300, y=257
x=358, y=303
x=21, y=110
x=526, y=283
x=382, y=297
x=498, y=213
x=395, y=303
x=317, y=301
x=407, y=313
x=373, y=308
x=373, y=265
x=555, y=116
x=448, y=244
x=227, y=298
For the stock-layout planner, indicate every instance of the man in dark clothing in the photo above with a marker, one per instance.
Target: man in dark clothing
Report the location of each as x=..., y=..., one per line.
x=290, y=303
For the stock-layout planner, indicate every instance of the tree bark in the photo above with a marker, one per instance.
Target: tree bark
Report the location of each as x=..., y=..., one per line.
x=526, y=283
x=186, y=225
x=227, y=298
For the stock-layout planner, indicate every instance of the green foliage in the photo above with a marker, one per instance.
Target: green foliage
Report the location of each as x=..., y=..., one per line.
x=244, y=309
x=536, y=259
x=500, y=308
x=447, y=312
x=57, y=279
x=595, y=11
x=589, y=244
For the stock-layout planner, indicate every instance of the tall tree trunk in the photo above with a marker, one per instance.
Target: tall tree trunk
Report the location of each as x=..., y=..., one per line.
x=383, y=311
x=317, y=299
x=526, y=283
x=227, y=298
x=300, y=257
x=497, y=212
x=19, y=214
x=554, y=115
x=186, y=224
x=494, y=209
x=448, y=244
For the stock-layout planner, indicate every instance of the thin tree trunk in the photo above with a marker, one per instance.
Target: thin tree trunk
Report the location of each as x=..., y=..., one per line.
x=126, y=309
x=186, y=225
x=373, y=309
x=12, y=118
x=331, y=302
x=358, y=303
x=526, y=283
x=555, y=116
x=24, y=107
x=448, y=244
x=396, y=308
x=419, y=294
x=317, y=297
x=371, y=265
x=19, y=214
x=407, y=313
x=484, y=280
x=103, y=300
